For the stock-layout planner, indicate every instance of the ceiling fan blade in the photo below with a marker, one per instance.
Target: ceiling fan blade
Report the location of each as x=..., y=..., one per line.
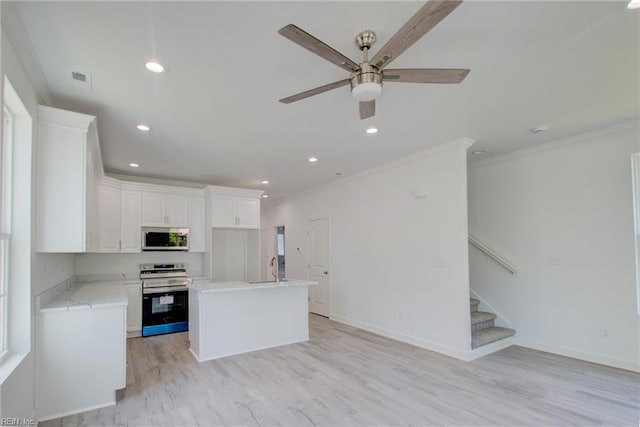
x=424, y=20
x=311, y=92
x=425, y=75
x=367, y=109
x=311, y=43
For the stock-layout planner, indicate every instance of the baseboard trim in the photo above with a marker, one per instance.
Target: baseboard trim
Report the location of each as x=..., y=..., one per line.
x=78, y=411
x=409, y=339
x=628, y=365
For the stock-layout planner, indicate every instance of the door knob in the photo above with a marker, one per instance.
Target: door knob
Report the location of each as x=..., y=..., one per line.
x=326, y=272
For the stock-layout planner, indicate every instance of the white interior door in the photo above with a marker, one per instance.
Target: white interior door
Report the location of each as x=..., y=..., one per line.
x=319, y=266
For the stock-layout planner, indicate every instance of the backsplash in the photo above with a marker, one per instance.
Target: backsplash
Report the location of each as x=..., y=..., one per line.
x=129, y=263
x=47, y=296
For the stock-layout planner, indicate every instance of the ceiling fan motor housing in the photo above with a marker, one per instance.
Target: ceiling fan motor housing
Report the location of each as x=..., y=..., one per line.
x=366, y=84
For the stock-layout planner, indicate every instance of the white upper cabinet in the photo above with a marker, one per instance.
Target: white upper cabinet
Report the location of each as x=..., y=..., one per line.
x=68, y=168
x=120, y=215
x=109, y=218
x=165, y=210
x=197, y=228
x=223, y=211
x=177, y=210
x=234, y=208
x=131, y=221
x=248, y=211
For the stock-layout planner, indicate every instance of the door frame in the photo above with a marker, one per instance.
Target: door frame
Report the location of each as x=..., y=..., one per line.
x=330, y=261
x=275, y=251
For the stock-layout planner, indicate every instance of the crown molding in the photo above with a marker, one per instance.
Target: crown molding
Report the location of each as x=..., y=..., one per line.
x=575, y=139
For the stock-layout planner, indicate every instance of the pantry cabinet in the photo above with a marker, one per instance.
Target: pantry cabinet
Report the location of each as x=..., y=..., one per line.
x=68, y=170
x=165, y=210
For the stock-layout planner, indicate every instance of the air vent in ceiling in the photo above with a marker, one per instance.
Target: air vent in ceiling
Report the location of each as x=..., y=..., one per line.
x=81, y=80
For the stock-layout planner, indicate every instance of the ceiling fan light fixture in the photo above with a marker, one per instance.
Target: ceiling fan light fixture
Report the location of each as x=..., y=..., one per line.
x=365, y=92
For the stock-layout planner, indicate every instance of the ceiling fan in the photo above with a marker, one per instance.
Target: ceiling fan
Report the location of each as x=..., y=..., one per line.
x=367, y=77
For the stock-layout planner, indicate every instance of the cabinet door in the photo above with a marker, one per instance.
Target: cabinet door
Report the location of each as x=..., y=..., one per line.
x=60, y=179
x=177, y=210
x=134, y=308
x=223, y=211
x=131, y=221
x=196, y=224
x=109, y=219
x=248, y=212
x=154, y=209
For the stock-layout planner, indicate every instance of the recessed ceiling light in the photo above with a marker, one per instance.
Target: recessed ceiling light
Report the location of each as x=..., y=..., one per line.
x=633, y=4
x=476, y=152
x=143, y=128
x=313, y=159
x=265, y=182
x=372, y=130
x=154, y=67
x=134, y=165
x=264, y=196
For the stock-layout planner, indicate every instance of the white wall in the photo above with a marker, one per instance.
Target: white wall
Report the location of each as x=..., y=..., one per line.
x=399, y=263
x=563, y=214
x=129, y=263
x=17, y=393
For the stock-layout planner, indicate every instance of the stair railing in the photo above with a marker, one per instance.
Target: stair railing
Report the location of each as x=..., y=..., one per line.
x=493, y=254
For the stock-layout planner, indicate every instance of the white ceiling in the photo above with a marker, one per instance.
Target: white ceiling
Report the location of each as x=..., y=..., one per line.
x=215, y=117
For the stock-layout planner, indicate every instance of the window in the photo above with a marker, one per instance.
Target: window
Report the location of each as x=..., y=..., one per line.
x=15, y=232
x=5, y=223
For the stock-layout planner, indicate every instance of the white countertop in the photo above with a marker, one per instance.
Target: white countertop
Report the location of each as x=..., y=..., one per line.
x=87, y=296
x=245, y=286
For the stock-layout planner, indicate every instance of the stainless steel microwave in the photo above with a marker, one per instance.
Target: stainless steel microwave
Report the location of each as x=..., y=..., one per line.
x=165, y=239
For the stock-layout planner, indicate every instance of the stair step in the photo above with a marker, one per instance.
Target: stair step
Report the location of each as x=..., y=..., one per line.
x=481, y=316
x=474, y=304
x=489, y=335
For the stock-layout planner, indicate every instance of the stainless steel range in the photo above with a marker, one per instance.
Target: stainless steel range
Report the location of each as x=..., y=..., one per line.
x=165, y=298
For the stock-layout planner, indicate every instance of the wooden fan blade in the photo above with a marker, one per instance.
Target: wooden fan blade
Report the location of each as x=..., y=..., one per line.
x=367, y=109
x=424, y=20
x=311, y=92
x=311, y=43
x=425, y=75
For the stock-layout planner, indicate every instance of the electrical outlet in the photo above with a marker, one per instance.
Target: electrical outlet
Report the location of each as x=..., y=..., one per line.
x=400, y=316
x=554, y=261
x=604, y=334
x=441, y=263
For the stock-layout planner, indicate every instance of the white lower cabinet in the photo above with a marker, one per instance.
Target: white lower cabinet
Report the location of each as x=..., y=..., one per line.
x=81, y=359
x=134, y=309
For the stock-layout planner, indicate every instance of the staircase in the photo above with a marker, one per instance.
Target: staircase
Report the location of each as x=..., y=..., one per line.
x=483, y=330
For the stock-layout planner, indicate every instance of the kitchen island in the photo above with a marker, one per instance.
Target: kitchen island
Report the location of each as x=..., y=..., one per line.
x=237, y=317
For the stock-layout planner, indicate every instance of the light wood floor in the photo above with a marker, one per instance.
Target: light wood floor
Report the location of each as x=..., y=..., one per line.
x=345, y=376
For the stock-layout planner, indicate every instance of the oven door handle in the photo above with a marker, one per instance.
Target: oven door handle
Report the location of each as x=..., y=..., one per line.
x=164, y=290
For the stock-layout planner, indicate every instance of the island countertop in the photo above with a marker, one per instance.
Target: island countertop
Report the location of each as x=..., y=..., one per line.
x=247, y=286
